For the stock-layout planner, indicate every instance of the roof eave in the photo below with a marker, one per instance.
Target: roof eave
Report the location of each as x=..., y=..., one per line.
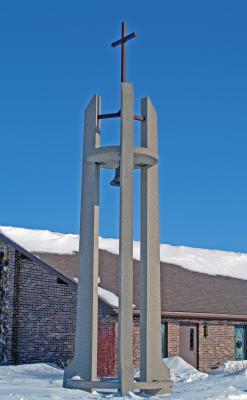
x=195, y=315
x=37, y=260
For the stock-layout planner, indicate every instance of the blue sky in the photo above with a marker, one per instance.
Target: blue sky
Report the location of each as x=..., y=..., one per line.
x=190, y=57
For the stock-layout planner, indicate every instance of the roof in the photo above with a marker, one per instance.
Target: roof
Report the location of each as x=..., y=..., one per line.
x=212, y=262
x=105, y=295
x=182, y=290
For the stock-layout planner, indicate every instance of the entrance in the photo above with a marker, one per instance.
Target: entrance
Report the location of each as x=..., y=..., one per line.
x=188, y=343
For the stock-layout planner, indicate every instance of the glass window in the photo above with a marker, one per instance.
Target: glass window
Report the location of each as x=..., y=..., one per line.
x=164, y=338
x=240, y=343
x=192, y=339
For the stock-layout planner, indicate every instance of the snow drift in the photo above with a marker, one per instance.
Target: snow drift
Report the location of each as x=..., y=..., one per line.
x=181, y=371
x=231, y=367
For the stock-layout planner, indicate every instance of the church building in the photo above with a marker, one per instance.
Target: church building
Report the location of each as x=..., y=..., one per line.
x=203, y=301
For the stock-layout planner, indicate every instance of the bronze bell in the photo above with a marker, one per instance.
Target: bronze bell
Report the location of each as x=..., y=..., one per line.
x=116, y=179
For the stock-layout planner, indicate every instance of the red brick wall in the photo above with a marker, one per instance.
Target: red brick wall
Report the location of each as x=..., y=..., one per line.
x=214, y=349
x=107, y=346
x=173, y=337
x=136, y=342
x=218, y=346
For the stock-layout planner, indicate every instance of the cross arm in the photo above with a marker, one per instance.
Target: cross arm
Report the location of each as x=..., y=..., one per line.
x=124, y=39
x=118, y=115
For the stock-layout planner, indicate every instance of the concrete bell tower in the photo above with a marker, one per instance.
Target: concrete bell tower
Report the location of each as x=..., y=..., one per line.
x=154, y=376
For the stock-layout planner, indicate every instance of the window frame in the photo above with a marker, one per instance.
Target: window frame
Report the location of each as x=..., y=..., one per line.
x=192, y=339
x=164, y=339
x=245, y=340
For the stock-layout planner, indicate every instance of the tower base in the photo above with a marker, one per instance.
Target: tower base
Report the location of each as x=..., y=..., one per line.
x=155, y=387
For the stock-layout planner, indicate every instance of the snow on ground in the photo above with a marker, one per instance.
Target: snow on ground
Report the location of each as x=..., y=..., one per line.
x=181, y=371
x=34, y=381
x=212, y=262
x=231, y=367
x=41, y=381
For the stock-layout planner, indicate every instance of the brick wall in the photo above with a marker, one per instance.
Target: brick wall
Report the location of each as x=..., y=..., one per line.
x=46, y=316
x=42, y=319
x=218, y=346
x=173, y=337
x=214, y=349
x=41, y=324
x=42, y=315
x=107, y=346
x=136, y=342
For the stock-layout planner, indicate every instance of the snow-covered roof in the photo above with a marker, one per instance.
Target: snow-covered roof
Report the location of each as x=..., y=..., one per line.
x=212, y=262
x=108, y=297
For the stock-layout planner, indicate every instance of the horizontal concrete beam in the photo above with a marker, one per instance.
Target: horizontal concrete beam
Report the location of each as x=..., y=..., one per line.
x=109, y=157
x=83, y=385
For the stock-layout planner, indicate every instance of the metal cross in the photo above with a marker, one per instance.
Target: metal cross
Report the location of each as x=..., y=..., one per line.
x=122, y=42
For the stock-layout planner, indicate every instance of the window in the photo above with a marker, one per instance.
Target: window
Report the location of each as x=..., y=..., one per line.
x=240, y=342
x=192, y=338
x=61, y=282
x=164, y=340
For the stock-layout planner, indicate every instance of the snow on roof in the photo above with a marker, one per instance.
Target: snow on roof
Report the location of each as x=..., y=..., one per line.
x=212, y=262
x=42, y=241
x=108, y=297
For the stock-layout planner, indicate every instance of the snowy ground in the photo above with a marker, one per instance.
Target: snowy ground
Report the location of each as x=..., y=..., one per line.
x=41, y=381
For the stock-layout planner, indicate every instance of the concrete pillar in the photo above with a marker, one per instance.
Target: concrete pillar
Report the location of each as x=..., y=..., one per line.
x=125, y=339
x=84, y=363
x=152, y=367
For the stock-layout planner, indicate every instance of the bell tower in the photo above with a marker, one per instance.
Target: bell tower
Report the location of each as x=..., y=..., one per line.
x=154, y=375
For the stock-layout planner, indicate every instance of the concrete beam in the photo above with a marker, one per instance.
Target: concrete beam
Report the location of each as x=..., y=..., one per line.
x=152, y=367
x=125, y=325
x=84, y=363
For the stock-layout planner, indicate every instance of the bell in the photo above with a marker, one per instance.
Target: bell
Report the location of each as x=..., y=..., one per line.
x=116, y=179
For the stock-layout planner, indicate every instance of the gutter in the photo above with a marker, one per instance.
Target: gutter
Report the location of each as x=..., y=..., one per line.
x=195, y=315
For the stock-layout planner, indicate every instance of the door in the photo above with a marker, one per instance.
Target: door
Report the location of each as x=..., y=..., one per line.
x=240, y=343
x=188, y=343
